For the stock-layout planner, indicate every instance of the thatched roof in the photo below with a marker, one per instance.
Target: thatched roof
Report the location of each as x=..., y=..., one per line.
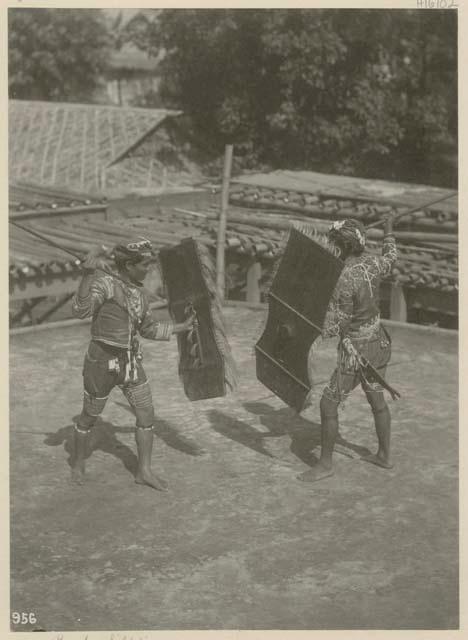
x=71, y=145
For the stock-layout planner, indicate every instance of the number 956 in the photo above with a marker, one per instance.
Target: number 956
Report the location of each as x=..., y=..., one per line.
x=23, y=618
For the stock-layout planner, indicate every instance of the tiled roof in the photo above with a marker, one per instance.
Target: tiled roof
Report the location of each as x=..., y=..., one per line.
x=277, y=187
x=321, y=196
x=71, y=144
x=168, y=219
x=417, y=266
x=24, y=196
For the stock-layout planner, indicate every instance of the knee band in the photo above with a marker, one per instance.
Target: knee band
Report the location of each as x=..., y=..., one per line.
x=84, y=431
x=139, y=396
x=144, y=428
x=144, y=417
x=93, y=406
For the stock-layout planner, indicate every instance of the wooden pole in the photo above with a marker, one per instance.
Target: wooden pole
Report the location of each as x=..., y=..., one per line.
x=414, y=209
x=398, y=307
x=254, y=273
x=221, y=240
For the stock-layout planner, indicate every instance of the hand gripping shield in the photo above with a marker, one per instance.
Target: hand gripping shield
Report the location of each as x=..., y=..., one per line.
x=206, y=366
x=297, y=303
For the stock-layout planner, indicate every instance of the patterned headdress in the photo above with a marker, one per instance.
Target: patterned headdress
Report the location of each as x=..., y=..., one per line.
x=133, y=252
x=349, y=233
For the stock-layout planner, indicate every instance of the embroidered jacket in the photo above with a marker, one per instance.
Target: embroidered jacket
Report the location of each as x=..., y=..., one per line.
x=118, y=311
x=354, y=307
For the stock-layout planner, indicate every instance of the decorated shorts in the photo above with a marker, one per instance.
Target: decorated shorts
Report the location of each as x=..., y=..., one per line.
x=347, y=377
x=105, y=368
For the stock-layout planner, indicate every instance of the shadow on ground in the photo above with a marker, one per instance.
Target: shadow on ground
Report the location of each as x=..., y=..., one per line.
x=171, y=436
x=304, y=434
x=238, y=543
x=103, y=438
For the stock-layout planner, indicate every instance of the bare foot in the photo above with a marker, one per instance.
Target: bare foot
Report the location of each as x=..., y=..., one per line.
x=317, y=472
x=77, y=474
x=152, y=480
x=374, y=458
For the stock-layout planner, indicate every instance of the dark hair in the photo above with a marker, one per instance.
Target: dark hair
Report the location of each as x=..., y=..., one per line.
x=121, y=259
x=348, y=248
x=349, y=235
x=133, y=252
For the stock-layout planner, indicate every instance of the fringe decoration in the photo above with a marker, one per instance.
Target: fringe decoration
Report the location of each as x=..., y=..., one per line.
x=311, y=232
x=208, y=271
x=317, y=236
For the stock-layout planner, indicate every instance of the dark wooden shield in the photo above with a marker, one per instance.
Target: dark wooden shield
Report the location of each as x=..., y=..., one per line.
x=297, y=304
x=206, y=366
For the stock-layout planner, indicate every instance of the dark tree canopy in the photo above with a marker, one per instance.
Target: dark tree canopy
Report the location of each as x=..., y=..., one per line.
x=369, y=92
x=55, y=54
x=364, y=92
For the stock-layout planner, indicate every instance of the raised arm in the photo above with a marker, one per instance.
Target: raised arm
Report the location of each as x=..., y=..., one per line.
x=94, y=289
x=389, y=249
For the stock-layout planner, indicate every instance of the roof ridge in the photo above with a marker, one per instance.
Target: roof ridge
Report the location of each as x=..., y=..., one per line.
x=82, y=105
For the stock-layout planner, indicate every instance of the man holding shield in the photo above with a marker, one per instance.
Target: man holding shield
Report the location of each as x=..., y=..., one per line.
x=364, y=348
x=119, y=309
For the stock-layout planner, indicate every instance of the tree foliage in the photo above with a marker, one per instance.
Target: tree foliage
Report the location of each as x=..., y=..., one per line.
x=55, y=54
x=363, y=92
x=369, y=92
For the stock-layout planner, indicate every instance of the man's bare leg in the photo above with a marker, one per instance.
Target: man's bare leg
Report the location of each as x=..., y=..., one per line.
x=144, y=475
x=329, y=432
x=382, y=421
x=80, y=450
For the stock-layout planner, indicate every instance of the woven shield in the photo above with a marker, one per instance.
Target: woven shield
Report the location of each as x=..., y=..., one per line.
x=206, y=366
x=297, y=303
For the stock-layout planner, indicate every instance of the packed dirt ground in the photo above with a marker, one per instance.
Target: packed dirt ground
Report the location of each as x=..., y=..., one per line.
x=237, y=542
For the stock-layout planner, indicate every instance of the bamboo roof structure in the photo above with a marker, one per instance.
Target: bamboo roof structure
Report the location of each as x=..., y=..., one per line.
x=75, y=145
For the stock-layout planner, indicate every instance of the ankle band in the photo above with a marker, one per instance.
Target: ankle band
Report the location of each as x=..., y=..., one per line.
x=81, y=430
